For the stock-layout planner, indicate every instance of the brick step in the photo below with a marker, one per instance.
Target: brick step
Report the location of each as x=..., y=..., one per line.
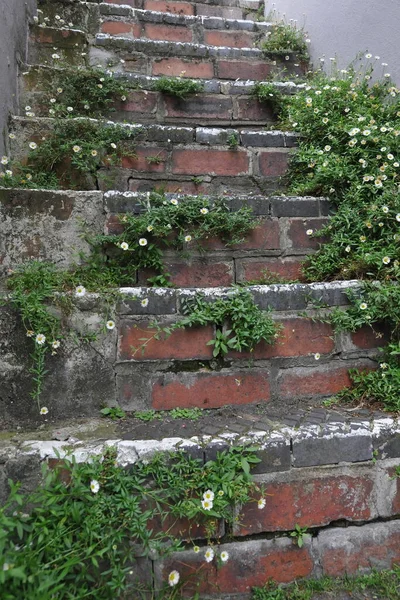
x=155, y=57
x=198, y=61
x=211, y=31
x=88, y=11
x=305, y=364
x=351, y=483
x=220, y=103
x=44, y=225
x=188, y=158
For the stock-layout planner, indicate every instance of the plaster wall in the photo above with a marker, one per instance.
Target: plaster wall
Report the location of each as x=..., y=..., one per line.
x=14, y=15
x=346, y=27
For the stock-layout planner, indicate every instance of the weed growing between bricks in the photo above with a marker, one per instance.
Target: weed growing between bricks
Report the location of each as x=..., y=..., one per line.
x=349, y=152
x=176, y=86
x=382, y=584
x=69, y=537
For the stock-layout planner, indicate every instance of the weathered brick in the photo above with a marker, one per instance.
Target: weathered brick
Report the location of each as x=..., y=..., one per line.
x=232, y=69
x=179, y=8
x=273, y=163
x=210, y=390
x=251, y=563
x=253, y=269
x=139, y=101
x=359, y=549
x=309, y=449
x=120, y=27
x=182, y=344
x=199, y=273
x=368, y=337
x=297, y=232
x=232, y=39
x=201, y=106
x=324, y=380
x=174, y=67
x=250, y=109
x=132, y=3
x=263, y=237
x=309, y=501
x=140, y=162
x=213, y=162
x=169, y=33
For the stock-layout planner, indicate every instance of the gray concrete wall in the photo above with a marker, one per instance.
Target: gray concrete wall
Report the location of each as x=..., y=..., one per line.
x=346, y=27
x=14, y=15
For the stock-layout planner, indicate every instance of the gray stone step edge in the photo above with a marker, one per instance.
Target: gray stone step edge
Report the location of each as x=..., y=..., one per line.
x=215, y=136
x=279, y=449
x=152, y=16
x=211, y=86
x=187, y=49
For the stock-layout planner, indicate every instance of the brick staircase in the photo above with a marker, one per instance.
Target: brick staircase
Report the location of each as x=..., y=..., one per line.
x=215, y=42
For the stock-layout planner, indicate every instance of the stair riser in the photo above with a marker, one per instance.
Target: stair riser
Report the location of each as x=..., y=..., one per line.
x=179, y=371
x=180, y=33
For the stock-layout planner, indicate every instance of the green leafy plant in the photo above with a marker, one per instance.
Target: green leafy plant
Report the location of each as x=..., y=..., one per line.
x=178, y=86
x=248, y=324
x=147, y=415
x=268, y=92
x=113, y=412
x=186, y=413
x=76, y=535
x=90, y=91
x=298, y=535
x=233, y=140
x=283, y=38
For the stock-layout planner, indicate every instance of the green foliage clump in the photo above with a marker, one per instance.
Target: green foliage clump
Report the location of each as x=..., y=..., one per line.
x=178, y=86
x=284, y=38
x=268, y=92
x=176, y=223
x=76, y=535
x=90, y=91
x=240, y=323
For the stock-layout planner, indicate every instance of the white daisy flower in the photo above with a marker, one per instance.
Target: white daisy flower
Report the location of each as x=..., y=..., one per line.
x=55, y=344
x=363, y=306
x=188, y=238
x=44, y=410
x=261, y=503
x=207, y=504
x=70, y=109
x=209, y=554
x=317, y=356
x=94, y=486
x=309, y=231
x=40, y=339
x=142, y=242
x=386, y=260
x=80, y=291
x=173, y=578
x=196, y=549
x=30, y=333
x=124, y=246
x=110, y=324
x=32, y=145
x=144, y=302
x=149, y=228
x=174, y=202
x=204, y=211
x=76, y=149
x=4, y=160
x=208, y=495
x=224, y=556
x=94, y=153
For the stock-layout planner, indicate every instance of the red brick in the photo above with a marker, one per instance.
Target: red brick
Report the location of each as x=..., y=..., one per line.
x=250, y=109
x=196, y=274
x=234, y=69
x=231, y=39
x=286, y=268
x=141, y=102
x=210, y=390
x=113, y=225
x=263, y=237
x=297, y=235
x=173, y=67
x=178, y=8
x=251, y=564
x=181, y=528
x=169, y=33
x=182, y=344
x=139, y=162
x=273, y=163
x=361, y=548
x=368, y=337
x=299, y=337
x=318, y=381
x=120, y=27
x=128, y=2
x=212, y=162
x=308, y=502
x=199, y=106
